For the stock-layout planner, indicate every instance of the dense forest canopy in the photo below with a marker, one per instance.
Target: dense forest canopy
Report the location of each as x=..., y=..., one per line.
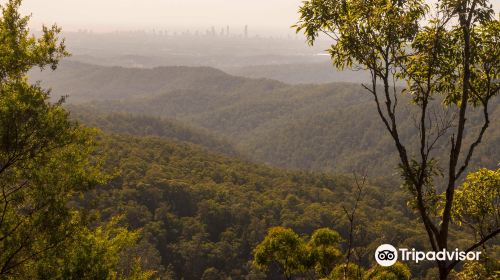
x=192, y=173
x=202, y=212
x=316, y=127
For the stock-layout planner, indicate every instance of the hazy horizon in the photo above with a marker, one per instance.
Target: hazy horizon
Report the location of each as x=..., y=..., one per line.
x=266, y=17
x=261, y=16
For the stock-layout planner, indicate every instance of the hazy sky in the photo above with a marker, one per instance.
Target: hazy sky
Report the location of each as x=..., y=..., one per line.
x=108, y=15
x=175, y=14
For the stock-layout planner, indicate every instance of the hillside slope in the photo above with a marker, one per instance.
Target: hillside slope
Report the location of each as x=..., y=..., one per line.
x=142, y=125
x=300, y=73
x=330, y=127
x=204, y=213
x=85, y=82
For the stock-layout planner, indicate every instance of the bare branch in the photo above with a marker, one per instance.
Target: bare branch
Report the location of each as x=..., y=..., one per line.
x=351, y=215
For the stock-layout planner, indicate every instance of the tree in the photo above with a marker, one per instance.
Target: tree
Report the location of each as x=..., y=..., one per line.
x=398, y=271
x=477, y=208
x=450, y=60
x=96, y=254
x=346, y=271
x=478, y=202
x=323, y=251
x=283, y=247
x=476, y=271
x=45, y=159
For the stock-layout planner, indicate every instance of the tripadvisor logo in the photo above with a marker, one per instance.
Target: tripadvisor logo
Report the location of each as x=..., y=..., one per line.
x=388, y=255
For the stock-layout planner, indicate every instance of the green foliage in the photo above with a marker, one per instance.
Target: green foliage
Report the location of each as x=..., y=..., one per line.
x=486, y=40
x=200, y=210
x=203, y=213
x=96, y=254
x=477, y=271
x=284, y=247
x=293, y=255
x=477, y=202
x=398, y=271
x=323, y=249
x=361, y=30
x=347, y=272
x=44, y=158
x=19, y=50
x=438, y=55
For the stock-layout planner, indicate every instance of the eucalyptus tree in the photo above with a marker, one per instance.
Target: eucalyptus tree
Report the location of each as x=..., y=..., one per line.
x=285, y=248
x=45, y=159
x=449, y=58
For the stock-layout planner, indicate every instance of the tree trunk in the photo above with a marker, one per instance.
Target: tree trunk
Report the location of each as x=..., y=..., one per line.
x=443, y=271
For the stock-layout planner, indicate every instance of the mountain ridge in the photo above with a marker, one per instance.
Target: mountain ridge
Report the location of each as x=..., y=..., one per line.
x=270, y=121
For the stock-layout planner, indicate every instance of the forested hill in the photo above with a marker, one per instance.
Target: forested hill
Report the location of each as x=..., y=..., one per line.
x=202, y=214
x=85, y=82
x=137, y=125
x=300, y=73
x=330, y=127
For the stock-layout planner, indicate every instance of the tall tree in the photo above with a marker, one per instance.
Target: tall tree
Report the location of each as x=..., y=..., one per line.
x=450, y=59
x=45, y=159
x=324, y=252
x=283, y=247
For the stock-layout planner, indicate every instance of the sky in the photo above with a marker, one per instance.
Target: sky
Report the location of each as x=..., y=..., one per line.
x=108, y=15
x=175, y=15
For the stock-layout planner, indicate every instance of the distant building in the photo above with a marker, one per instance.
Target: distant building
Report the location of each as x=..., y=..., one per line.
x=246, y=31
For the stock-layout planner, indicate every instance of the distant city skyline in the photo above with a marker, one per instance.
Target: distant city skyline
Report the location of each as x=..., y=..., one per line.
x=261, y=16
x=215, y=32
x=265, y=17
